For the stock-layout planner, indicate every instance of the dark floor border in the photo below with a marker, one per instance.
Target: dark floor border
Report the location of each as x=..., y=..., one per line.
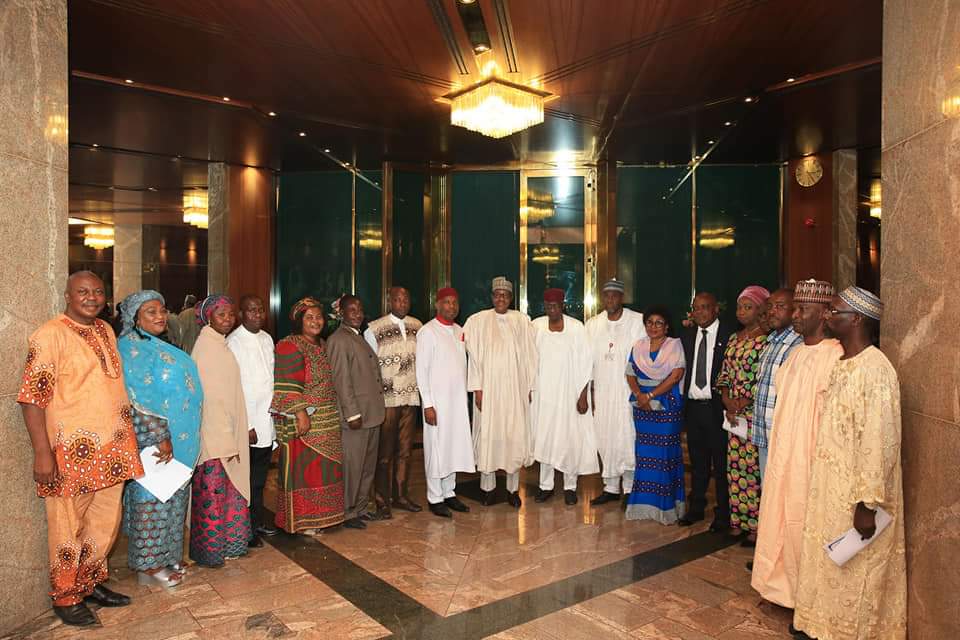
x=405, y=617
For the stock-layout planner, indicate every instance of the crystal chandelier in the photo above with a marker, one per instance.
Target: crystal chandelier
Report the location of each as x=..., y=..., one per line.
x=546, y=254
x=98, y=236
x=496, y=108
x=195, y=209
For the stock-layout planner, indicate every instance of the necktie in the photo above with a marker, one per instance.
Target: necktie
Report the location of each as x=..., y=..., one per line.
x=701, y=378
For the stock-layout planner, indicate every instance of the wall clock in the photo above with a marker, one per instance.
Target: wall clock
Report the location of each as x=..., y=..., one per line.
x=809, y=171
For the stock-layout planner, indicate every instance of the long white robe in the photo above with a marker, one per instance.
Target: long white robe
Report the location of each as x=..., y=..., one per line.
x=610, y=343
x=503, y=364
x=562, y=438
x=442, y=380
x=254, y=354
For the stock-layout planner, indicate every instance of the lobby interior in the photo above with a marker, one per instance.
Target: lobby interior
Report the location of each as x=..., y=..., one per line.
x=293, y=147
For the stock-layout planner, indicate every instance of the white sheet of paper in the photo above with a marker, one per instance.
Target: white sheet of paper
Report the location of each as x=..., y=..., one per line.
x=739, y=429
x=851, y=543
x=162, y=480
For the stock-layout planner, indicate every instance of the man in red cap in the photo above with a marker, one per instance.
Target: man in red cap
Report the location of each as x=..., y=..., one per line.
x=442, y=379
x=562, y=429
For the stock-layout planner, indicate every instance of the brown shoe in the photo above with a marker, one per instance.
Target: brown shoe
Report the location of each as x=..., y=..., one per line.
x=407, y=505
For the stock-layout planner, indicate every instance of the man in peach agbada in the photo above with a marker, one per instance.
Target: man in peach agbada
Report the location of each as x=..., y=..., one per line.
x=78, y=416
x=800, y=382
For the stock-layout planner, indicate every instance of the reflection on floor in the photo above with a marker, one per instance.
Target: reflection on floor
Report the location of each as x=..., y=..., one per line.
x=545, y=571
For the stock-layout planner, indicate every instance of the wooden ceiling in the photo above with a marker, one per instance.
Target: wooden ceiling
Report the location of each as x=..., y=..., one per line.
x=639, y=81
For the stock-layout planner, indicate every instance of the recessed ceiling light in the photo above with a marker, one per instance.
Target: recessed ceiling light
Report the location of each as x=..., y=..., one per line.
x=481, y=48
x=111, y=188
x=727, y=123
x=326, y=150
x=710, y=141
x=748, y=99
x=128, y=81
x=791, y=79
x=303, y=134
x=151, y=188
x=94, y=145
x=226, y=99
x=467, y=1
x=346, y=164
x=272, y=114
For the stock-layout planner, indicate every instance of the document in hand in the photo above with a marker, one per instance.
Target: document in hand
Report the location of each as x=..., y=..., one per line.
x=851, y=542
x=162, y=480
x=739, y=429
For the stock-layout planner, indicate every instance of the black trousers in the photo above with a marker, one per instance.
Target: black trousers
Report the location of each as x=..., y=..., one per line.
x=707, y=444
x=259, y=465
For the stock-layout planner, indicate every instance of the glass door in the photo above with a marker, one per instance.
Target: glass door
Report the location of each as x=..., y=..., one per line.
x=558, y=239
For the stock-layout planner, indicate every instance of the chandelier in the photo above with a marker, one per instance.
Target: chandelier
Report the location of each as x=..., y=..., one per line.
x=717, y=237
x=98, y=236
x=540, y=206
x=195, y=209
x=546, y=254
x=496, y=108
x=876, y=190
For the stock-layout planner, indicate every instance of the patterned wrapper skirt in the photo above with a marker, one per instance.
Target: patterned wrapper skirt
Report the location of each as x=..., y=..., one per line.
x=743, y=476
x=658, y=491
x=219, y=518
x=154, y=528
x=310, y=476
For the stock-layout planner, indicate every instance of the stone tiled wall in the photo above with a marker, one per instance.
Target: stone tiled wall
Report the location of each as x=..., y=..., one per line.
x=33, y=264
x=920, y=264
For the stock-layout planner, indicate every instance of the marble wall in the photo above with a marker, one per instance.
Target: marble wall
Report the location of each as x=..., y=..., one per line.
x=920, y=263
x=127, y=260
x=218, y=243
x=844, y=218
x=33, y=216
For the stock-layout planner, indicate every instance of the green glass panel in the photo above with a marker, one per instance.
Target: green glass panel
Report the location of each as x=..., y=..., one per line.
x=370, y=243
x=409, y=265
x=738, y=231
x=485, y=234
x=555, y=215
x=314, y=221
x=653, y=238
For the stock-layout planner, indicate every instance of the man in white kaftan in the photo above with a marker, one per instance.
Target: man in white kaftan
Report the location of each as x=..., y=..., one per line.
x=442, y=380
x=612, y=334
x=502, y=370
x=562, y=429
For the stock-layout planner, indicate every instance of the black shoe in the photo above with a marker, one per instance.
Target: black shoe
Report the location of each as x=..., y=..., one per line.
x=355, y=523
x=719, y=527
x=569, y=497
x=407, y=505
x=384, y=513
x=689, y=519
x=455, y=504
x=514, y=500
x=604, y=498
x=266, y=530
x=749, y=566
x=373, y=517
x=441, y=509
x=76, y=615
x=488, y=498
x=796, y=633
x=255, y=542
x=543, y=496
x=107, y=598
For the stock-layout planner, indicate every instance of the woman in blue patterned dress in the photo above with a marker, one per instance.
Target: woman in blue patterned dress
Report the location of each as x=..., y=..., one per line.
x=654, y=372
x=164, y=389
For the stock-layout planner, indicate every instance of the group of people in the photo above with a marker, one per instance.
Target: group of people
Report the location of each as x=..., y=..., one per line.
x=812, y=420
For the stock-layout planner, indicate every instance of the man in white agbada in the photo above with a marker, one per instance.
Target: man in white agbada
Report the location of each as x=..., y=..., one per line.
x=612, y=334
x=442, y=379
x=562, y=429
x=501, y=373
x=253, y=349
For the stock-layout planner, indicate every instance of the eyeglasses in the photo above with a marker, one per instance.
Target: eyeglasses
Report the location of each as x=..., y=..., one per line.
x=838, y=312
x=655, y=323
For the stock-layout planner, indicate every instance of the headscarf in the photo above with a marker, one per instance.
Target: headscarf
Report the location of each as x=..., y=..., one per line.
x=130, y=307
x=669, y=357
x=863, y=302
x=210, y=304
x=756, y=294
x=302, y=305
x=162, y=380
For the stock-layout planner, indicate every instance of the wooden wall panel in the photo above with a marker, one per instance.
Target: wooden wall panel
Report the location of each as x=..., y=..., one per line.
x=251, y=233
x=808, y=225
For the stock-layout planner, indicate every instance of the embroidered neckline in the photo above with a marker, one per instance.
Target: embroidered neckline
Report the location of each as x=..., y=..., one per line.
x=89, y=335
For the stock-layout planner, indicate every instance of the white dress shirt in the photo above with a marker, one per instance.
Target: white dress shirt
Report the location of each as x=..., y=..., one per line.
x=254, y=354
x=697, y=393
x=372, y=339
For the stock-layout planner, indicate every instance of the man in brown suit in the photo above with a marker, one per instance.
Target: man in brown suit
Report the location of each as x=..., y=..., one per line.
x=356, y=376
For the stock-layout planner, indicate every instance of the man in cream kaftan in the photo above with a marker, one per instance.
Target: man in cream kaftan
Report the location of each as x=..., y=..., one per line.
x=501, y=373
x=856, y=470
x=611, y=335
x=442, y=379
x=561, y=427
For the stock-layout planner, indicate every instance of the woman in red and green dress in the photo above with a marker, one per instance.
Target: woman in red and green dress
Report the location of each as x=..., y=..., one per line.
x=308, y=427
x=737, y=380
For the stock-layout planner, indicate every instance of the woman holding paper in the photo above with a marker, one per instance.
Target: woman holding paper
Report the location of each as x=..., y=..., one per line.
x=654, y=371
x=737, y=380
x=164, y=389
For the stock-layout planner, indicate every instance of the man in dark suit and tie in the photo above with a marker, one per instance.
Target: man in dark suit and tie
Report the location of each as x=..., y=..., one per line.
x=356, y=377
x=704, y=345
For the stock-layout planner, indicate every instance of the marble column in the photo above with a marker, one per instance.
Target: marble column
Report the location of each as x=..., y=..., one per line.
x=218, y=239
x=844, y=218
x=920, y=263
x=127, y=260
x=33, y=215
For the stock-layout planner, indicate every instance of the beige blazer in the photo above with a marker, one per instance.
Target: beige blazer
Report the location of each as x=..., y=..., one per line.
x=356, y=376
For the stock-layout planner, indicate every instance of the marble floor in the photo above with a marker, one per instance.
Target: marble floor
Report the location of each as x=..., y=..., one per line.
x=543, y=571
